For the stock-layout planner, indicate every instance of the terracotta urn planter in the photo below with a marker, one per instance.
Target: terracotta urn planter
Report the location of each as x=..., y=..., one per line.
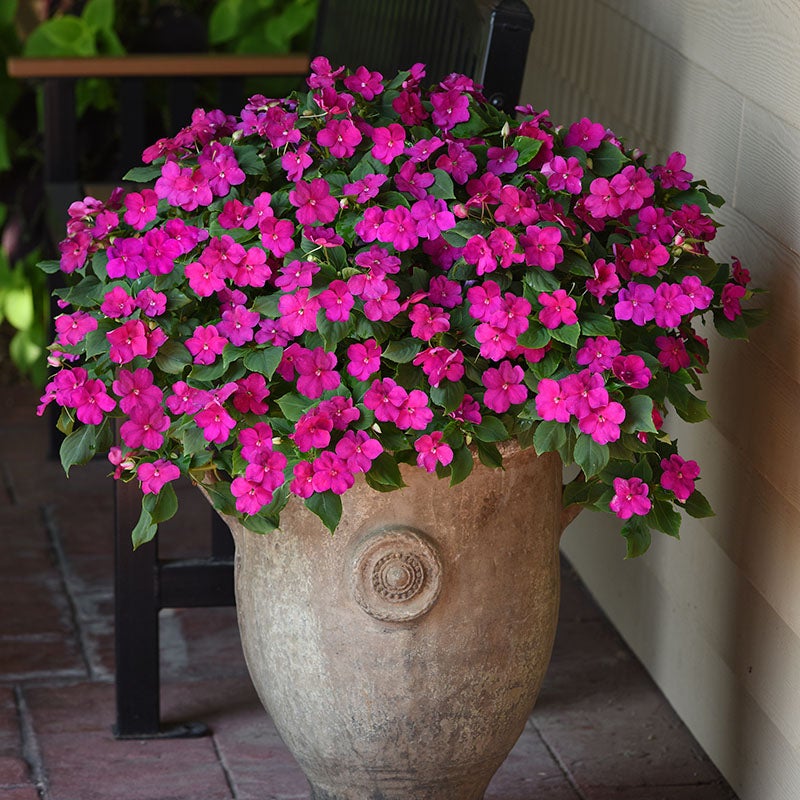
x=401, y=657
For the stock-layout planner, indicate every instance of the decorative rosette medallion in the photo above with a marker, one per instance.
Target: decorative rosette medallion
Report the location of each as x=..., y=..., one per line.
x=396, y=575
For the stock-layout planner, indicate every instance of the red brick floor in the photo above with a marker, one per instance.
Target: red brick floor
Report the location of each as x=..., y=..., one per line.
x=601, y=729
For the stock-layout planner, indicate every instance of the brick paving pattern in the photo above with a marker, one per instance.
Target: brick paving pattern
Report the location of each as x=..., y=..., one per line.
x=601, y=729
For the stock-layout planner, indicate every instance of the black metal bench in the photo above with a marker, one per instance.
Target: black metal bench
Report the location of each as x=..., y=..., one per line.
x=486, y=39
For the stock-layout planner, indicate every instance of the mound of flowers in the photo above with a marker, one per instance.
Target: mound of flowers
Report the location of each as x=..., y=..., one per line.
x=375, y=273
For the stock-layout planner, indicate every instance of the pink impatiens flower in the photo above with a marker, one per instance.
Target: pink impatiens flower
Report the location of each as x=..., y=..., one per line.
x=550, y=401
x=153, y=475
x=205, y=344
x=558, y=309
x=630, y=497
x=678, y=476
x=431, y=450
x=313, y=202
x=504, y=387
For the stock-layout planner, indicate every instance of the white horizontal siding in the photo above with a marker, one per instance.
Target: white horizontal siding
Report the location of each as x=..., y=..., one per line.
x=716, y=616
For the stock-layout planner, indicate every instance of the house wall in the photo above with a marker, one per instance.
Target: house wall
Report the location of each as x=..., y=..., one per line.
x=716, y=616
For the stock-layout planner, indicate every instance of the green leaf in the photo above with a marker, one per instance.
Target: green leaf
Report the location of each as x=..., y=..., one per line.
x=401, y=351
x=590, y=456
x=568, y=334
x=443, y=185
x=249, y=159
x=61, y=36
x=142, y=174
x=99, y=15
x=639, y=414
x=294, y=406
x=144, y=530
x=327, y=506
x=264, y=361
x=731, y=329
x=527, y=149
x=576, y=264
x=637, y=537
x=550, y=435
x=689, y=407
x=223, y=24
x=698, y=506
x=50, y=267
x=79, y=447
x=384, y=471
x=173, y=357
x=221, y=497
x=461, y=465
x=489, y=455
x=597, y=325
x=464, y=230
x=448, y=395
x=539, y=280
x=607, y=160
x=491, y=429
x=161, y=506
x=260, y=524
x=536, y=337
x=665, y=518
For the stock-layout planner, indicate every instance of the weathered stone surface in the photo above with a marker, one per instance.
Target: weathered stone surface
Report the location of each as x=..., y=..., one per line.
x=401, y=657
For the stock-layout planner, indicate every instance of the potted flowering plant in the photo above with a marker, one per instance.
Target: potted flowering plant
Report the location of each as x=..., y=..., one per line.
x=341, y=287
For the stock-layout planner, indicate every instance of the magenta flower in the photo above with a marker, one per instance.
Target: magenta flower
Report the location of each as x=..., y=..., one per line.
x=428, y=321
x=186, y=399
x=563, y=174
x=459, y=162
x=398, y=228
x=679, y=476
x=136, y=389
x=368, y=84
x=141, y=208
x=598, y=353
x=516, y=207
x=250, y=496
x=502, y=160
x=368, y=226
x=469, y=410
x=647, y=256
x=602, y=201
x=636, y=303
x=298, y=312
x=633, y=186
x=541, y=247
x=449, y=108
x=364, y=359
x=504, y=387
x=125, y=259
x=358, y=450
x=72, y=328
x=74, y=251
x=670, y=305
x=484, y=300
x=413, y=412
x=478, y=252
x=92, y=401
x=153, y=475
x=512, y=315
x=127, y=342
x=631, y=370
x=331, y=473
x=340, y=136
x=205, y=344
x=495, y=343
x=602, y=423
x=145, y=428
x=313, y=202
x=585, y=134
x=250, y=394
x=672, y=353
x=583, y=392
x=389, y=142
x=411, y=181
x=203, y=279
x=385, y=398
x=312, y=431
x=558, y=309
x=431, y=450
x=439, y=364
x=731, y=295
x=504, y=247
x=700, y=295
x=296, y=162
x=255, y=441
x=432, y=217
x=316, y=373
x=303, y=483
x=337, y=301
x=605, y=280
x=365, y=188
x=276, y=235
x=215, y=422
x=630, y=497
x=550, y=401
x=672, y=175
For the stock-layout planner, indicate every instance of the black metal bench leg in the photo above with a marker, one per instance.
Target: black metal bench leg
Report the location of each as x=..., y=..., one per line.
x=136, y=607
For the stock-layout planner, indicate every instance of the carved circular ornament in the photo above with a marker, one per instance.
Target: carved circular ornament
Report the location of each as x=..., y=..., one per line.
x=396, y=575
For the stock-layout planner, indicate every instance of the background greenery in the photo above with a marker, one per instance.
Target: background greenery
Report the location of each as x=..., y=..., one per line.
x=90, y=28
